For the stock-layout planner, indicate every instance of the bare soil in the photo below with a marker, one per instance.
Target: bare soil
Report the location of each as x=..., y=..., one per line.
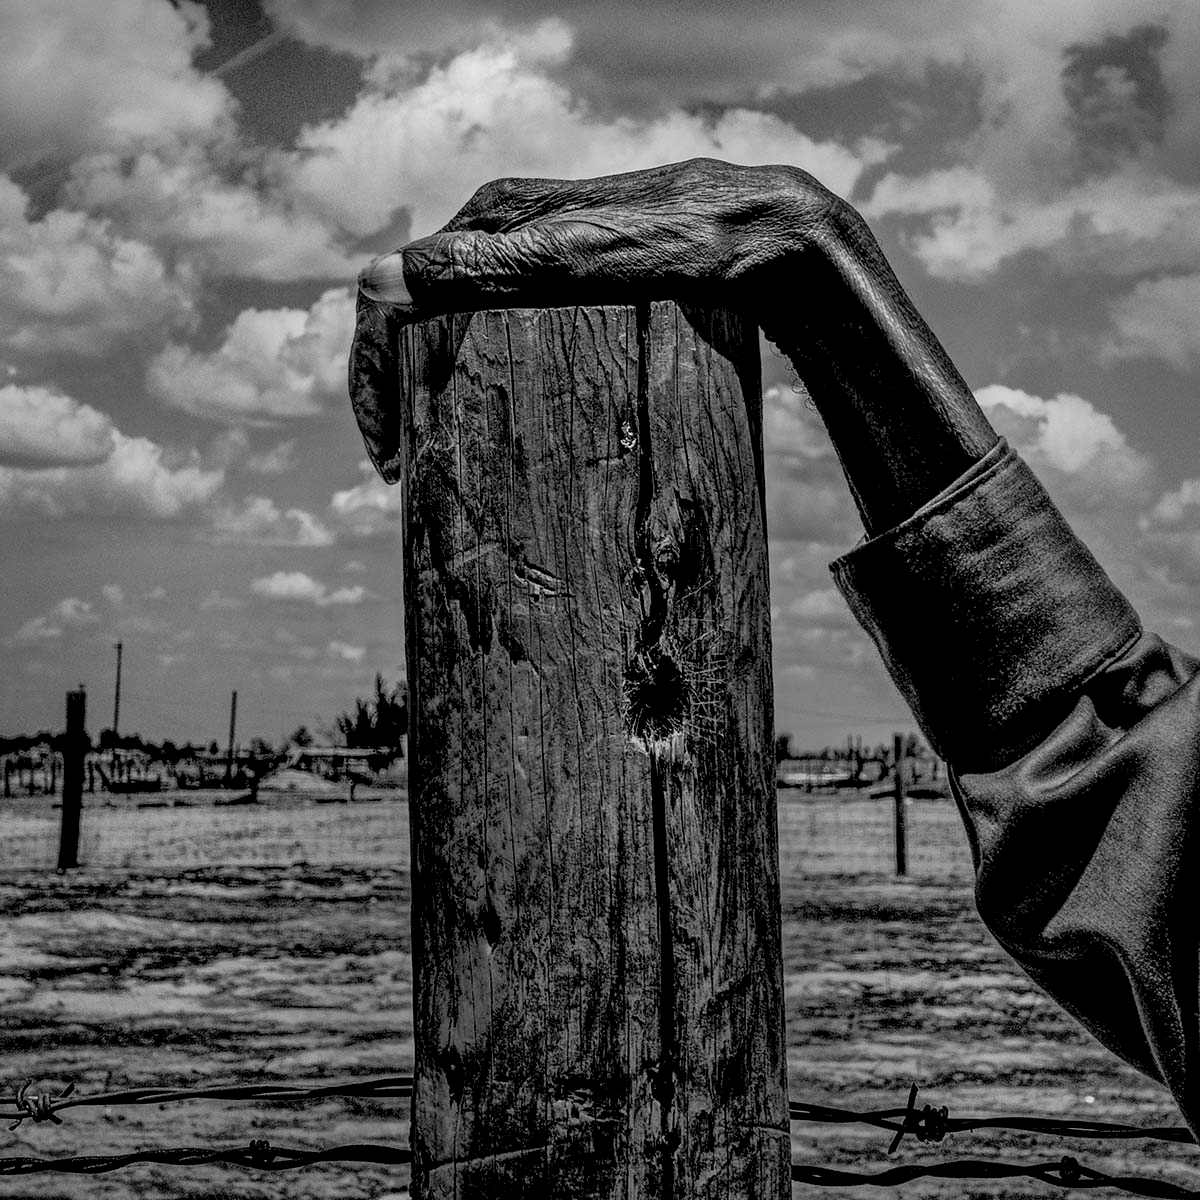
x=270, y=943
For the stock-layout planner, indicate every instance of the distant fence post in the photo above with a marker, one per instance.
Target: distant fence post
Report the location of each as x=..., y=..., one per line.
x=74, y=749
x=901, y=807
x=598, y=982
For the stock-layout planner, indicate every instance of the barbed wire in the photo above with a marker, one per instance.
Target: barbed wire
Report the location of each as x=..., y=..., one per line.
x=931, y=1124
x=44, y=1107
x=927, y=1124
x=1066, y=1173
x=260, y=1155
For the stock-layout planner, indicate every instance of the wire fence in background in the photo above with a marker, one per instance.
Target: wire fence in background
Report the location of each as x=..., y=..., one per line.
x=851, y=833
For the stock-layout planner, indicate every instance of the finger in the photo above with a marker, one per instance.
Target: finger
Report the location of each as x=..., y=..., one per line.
x=592, y=261
x=374, y=385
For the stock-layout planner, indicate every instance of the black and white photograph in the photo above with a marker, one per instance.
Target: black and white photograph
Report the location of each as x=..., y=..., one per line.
x=601, y=601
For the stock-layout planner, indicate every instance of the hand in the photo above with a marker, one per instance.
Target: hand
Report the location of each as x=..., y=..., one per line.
x=687, y=228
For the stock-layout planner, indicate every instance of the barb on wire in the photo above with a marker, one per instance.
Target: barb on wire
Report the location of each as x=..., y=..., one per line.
x=1066, y=1173
x=932, y=1124
x=44, y=1107
x=260, y=1154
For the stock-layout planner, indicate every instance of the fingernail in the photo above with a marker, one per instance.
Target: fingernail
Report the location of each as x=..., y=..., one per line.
x=383, y=280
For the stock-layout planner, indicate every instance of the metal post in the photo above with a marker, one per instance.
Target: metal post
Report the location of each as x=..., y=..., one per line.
x=116, y=725
x=901, y=807
x=74, y=748
x=232, y=724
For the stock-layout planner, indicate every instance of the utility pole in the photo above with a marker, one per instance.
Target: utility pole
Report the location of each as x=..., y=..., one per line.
x=117, y=694
x=232, y=723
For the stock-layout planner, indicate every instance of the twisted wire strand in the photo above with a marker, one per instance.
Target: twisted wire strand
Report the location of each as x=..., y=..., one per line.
x=261, y=1155
x=928, y=1124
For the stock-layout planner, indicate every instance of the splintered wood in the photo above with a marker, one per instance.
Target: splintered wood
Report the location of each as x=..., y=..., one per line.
x=596, y=931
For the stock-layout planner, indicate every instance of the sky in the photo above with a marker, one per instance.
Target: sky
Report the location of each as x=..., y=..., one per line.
x=188, y=190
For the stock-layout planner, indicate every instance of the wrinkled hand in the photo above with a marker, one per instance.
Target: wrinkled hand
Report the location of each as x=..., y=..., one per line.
x=672, y=230
x=697, y=229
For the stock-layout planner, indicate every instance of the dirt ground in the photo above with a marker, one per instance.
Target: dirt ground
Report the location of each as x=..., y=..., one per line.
x=175, y=957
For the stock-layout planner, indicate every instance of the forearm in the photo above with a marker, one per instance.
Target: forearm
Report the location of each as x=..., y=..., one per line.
x=901, y=417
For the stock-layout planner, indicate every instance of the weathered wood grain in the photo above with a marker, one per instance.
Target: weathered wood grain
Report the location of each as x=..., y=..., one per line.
x=598, y=979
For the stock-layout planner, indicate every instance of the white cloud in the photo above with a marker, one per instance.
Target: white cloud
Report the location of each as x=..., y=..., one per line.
x=114, y=594
x=344, y=650
x=1172, y=507
x=277, y=461
x=40, y=426
x=258, y=521
x=370, y=508
x=296, y=585
x=69, y=282
x=807, y=497
x=77, y=77
x=495, y=110
x=70, y=612
x=1067, y=439
x=217, y=207
x=139, y=478
x=272, y=364
x=1123, y=223
x=1160, y=318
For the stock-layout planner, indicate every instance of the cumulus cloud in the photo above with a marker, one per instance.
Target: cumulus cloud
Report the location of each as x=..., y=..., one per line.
x=138, y=478
x=1160, y=318
x=495, y=110
x=278, y=460
x=1123, y=223
x=273, y=364
x=369, y=509
x=345, y=651
x=78, y=77
x=258, y=521
x=216, y=206
x=1078, y=155
x=69, y=282
x=1070, y=442
x=297, y=586
x=67, y=613
x=807, y=497
x=42, y=427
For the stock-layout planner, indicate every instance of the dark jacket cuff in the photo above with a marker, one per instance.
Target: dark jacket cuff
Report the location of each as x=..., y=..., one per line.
x=989, y=612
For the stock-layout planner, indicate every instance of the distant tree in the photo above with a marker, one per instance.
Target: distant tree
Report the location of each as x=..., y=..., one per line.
x=301, y=736
x=783, y=747
x=379, y=723
x=261, y=748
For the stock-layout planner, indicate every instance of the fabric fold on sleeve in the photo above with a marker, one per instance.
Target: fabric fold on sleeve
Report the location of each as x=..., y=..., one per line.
x=374, y=389
x=989, y=612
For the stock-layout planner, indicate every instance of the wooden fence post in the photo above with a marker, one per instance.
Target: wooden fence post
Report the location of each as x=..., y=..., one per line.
x=901, y=804
x=596, y=910
x=74, y=749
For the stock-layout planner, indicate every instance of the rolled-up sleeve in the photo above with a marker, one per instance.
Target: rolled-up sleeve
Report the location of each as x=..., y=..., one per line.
x=1073, y=741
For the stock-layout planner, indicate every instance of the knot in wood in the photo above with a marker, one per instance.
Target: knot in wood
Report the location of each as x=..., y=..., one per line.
x=656, y=697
